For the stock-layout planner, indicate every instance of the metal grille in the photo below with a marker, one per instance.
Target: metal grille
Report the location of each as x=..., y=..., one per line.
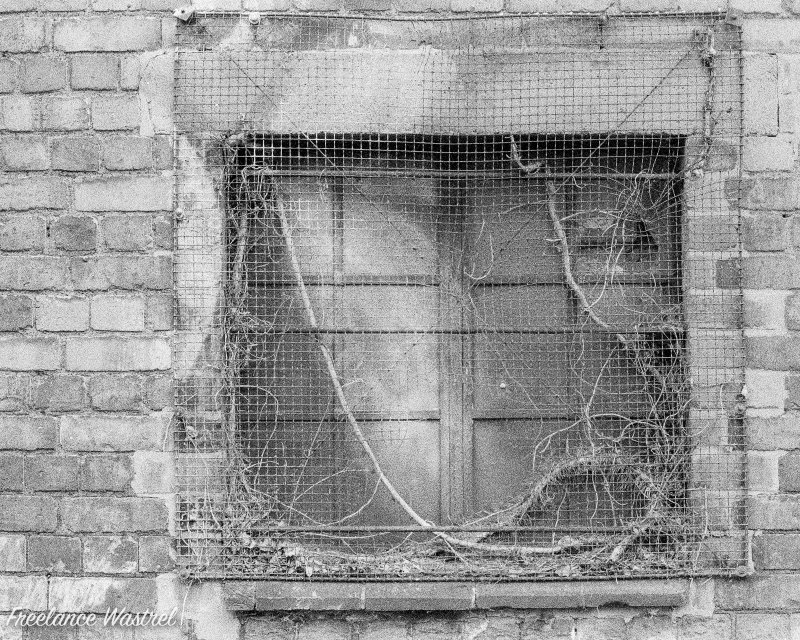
x=459, y=297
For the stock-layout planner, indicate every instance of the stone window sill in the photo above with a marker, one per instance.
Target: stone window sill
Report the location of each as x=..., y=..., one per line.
x=450, y=596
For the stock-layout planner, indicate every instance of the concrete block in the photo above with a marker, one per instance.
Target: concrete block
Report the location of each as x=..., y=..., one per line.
x=779, y=432
x=152, y=473
x=761, y=96
x=12, y=472
x=54, y=554
x=158, y=392
x=765, y=309
x=777, y=512
x=765, y=232
x=777, y=551
x=781, y=353
x=155, y=554
x=758, y=592
x=106, y=433
x=117, y=354
x=789, y=472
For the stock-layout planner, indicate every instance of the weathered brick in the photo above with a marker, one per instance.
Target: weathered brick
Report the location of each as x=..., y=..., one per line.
x=28, y=432
x=94, y=72
x=21, y=194
x=122, y=272
x=32, y=273
x=129, y=72
x=12, y=552
x=110, y=554
x=65, y=113
x=781, y=512
x=56, y=554
x=23, y=592
x=115, y=112
x=127, y=233
x=117, y=354
x=768, y=153
x=118, y=33
x=477, y=5
x=765, y=232
x=764, y=34
x=19, y=113
x=779, y=353
x=51, y=473
x=94, y=433
x=24, y=153
x=764, y=309
x=772, y=193
x=74, y=233
x=42, y=73
x=12, y=467
x=777, y=551
x=159, y=312
x=762, y=626
x=155, y=554
x=27, y=513
x=16, y=312
x=761, y=97
x=758, y=592
x=101, y=594
x=152, y=472
x=21, y=34
x=162, y=232
x=107, y=473
x=14, y=392
x=75, y=153
x=124, y=153
x=793, y=311
x=62, y=314
x=114, y=515
x=116, y=393
x=22, y=232
x=29, y=354
x=8, y=74
x=158, y=392
x=762, y=471
x=133, y=193
x=718, y=627
x=117, y=313
x=789, y=472
x=765, y=388
x=59, y=393
x=162, y=152
x=780, y=432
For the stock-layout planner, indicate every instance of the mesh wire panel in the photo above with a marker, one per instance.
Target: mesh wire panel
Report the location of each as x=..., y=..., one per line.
x=459, y=298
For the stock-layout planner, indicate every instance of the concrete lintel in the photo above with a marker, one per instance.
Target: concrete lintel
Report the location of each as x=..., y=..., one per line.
x=436, y=596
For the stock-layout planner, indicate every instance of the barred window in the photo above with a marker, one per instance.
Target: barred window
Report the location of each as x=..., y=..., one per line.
x=475, y=346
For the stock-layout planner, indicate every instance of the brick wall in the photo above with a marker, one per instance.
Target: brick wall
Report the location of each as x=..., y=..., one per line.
x=86, y=194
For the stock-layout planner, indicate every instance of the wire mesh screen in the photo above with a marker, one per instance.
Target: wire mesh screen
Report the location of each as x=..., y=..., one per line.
x=459, y=297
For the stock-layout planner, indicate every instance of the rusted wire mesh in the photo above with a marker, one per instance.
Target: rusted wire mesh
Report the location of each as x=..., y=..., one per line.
x=459, y=297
